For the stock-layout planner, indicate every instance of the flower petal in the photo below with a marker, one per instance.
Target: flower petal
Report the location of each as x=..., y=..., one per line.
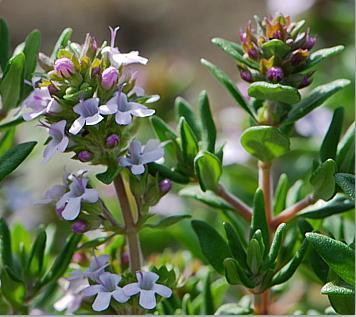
x=62, y=146
x=93, y=119
x=120, y=296
x=53, y=106
x=147, y=299
x=109, y=108
x=92, y=290
x=77, y=125
x=72, y=209
x=90, y=195
x=50, y=150
x=137, y=169
x=139, y=110
x=102, y=301
x=123, y=118
x=162, y=290
x=152, y=156
x=131, y=289
x=124, y=161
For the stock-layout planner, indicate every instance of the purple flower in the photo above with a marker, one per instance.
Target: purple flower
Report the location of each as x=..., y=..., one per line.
x=79, y=226
x=116, y=58
x=147, y=288
x=96, y=268
x=112, y=140
x=64, y=67
x=165, y=186
x=59, y=140
x=72, y=200
x=246, y=75
x=275, y=74
x=124, y=110
x=88, y=111
x=106, y=290
x=85, y=156
x=40, y=102
x=109, y=77
x=140, y=155
x=309, y=42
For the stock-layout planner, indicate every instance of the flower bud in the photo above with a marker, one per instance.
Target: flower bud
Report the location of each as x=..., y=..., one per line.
x=165, y=186
x=109, y=77
x=85, y=156
x=252, y=53
x=275, y=74
x=309, y=42
x=125, y=260
x=246, y=75
x=52, y=89
x=64, y=66
x=306, y=81
x=112, y=140
x=79, y=226
x=95, y=71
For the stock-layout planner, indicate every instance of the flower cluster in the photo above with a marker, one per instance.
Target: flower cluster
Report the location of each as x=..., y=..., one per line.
x=89, y=101
x=277, y=52
x=106, y=286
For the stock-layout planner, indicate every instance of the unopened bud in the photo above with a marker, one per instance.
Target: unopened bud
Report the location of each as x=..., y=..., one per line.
x=109, y=77
x=112, y=140
x=64, y=67
x=165, y=186
x=246, y=75
x=79, y=226
x=275, y=74
x=85, y=156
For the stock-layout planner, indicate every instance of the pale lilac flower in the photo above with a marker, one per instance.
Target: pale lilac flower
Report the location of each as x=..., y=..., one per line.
x=53, y=194
x=64, y=67
x=96, y=268
x=88, y=111
x=59, y=140
x=109, y=77
x=124, y=110
x=147, y=287
x=116, y=58
x=39, y=102
x=140, y=155
x=106, y=290
x=71, y=201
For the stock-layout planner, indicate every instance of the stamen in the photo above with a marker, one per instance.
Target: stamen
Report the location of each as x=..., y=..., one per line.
x=113, y=35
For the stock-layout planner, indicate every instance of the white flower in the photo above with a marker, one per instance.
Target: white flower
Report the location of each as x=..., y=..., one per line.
x=106, y=290
x=140, y=155
x=147, y=288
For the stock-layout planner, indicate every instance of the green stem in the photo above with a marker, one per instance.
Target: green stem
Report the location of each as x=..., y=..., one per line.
x=130, y=226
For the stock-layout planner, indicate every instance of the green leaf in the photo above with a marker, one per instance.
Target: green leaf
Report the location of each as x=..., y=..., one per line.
x=31, y=49
x=329, y=146
x=338, y=288
x=276, y=244
x=35, y=261
x=208, y=125
x=92, y=244
x=346, y=183
x=280, y=196
x=316, y=98
x=275, y=48
x=235, y=274
x=14, y=157
x=7, y=140
x=233, y=309
x=12, y=82
x=276, y=92
x=213, y=246
x=208, y=198
x=323, y=180
x=337, y=205
x=5, y=244
x=208, y=300
x=4, y=44
x=62, y=41
x=62, y=260
x=322, y=54
x=259, y=220
x=339, y=256
x=265, y=142
x=229, y=85
x=208, y=169
x=167, y=221
x=11, y=124
x=235, y=51
x=108, y=176
x=167, y=172
x=345, y=158
x=184, y=110
x=189, y=142
x=162, y=130
x=298, y=27
x=236, y=246
x=254, y=256
x=14, y=291
x=288, y=270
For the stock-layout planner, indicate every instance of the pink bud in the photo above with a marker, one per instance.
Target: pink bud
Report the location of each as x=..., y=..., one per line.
x=85, y=156
x=109, y=77
x=165, y=186
x=64, y=67
x=79, y=226
x=112, y=140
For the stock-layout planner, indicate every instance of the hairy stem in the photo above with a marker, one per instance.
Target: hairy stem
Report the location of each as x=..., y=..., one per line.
x=130, y=226
x=240, y=207
x=290, y=212
x=265, y=183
